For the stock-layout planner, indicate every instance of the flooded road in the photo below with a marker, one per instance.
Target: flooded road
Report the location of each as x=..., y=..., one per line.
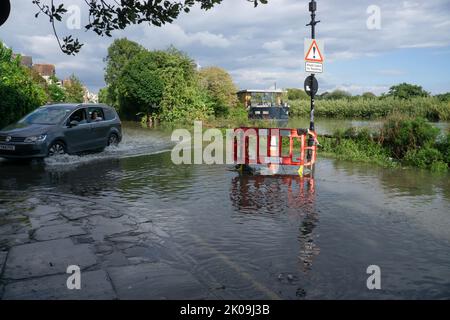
x=141, y=227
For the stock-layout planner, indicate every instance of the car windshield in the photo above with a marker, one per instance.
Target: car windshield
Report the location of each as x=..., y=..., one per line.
x=47, y=115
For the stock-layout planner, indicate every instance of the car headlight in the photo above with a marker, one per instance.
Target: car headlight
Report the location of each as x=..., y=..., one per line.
x=34, y=139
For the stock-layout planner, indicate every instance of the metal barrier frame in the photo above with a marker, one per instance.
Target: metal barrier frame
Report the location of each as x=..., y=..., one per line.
x=308, y=154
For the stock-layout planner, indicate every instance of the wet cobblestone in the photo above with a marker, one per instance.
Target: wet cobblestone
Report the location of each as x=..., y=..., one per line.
x=118, y=254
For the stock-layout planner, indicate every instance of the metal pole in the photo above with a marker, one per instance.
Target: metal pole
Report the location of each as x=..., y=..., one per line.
x=312, y=9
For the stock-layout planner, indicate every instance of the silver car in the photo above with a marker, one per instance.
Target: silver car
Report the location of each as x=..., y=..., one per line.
x=61, y=128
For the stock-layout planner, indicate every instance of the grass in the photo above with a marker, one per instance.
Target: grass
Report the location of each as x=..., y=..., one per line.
x=430, y=108
x=355, y=150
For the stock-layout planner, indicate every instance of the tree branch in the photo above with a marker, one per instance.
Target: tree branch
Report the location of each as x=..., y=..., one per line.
x=105, y=17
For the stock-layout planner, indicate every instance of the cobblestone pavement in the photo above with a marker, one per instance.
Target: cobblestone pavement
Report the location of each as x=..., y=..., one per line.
x=120, y=256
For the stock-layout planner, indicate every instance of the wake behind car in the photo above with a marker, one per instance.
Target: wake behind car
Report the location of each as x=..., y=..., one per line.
x=61, y=128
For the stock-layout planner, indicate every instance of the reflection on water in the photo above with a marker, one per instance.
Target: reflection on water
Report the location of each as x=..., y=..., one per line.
x=397, y=182
x=267, y=237
x=274, y=195
x=258, y=194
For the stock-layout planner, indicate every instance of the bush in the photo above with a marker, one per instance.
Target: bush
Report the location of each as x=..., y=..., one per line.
x=444, y=148
x=296, y=94
x=422, y=158
x=356, y=145
x=439, y=166
x=239, y=113
x=412, y=142
x=401, y=135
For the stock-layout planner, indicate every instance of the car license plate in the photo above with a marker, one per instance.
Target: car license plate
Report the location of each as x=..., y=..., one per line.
x=7, y=147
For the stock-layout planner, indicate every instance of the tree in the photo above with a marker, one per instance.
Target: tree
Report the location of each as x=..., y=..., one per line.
x=183, y=99
x=103, y=95
x=164, y=83
x=120, y=52
x=407, y=91
x=444, y=97
x=140, y=87
x=55, y=92
x=336, y=95
x=368, y=95
x=106, y=16
x=220, y=87
x=19, y=93
x=74, y=90
x=296, y=94
x=37, y=78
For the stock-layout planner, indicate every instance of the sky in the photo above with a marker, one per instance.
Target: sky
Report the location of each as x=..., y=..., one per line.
x=263, y=46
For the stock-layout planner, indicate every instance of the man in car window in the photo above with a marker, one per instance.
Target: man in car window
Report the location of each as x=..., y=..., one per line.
x=95, y=116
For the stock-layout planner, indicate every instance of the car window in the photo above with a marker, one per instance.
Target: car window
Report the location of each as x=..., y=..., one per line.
x=96, y=114
x=109, y=113
x=46, y=115
x=79, y=116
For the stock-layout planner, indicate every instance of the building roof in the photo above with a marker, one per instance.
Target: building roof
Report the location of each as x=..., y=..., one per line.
x=45, y=70
x=26, y=61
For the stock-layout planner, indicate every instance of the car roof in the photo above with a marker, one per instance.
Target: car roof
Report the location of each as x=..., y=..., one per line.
x=72, y=106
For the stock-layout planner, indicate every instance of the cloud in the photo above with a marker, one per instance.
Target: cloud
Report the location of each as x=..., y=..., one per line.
x=40, y=45
x=425, y=45
x=176, y=35
x=274, y=46
x=359, y=89
x=257, y=45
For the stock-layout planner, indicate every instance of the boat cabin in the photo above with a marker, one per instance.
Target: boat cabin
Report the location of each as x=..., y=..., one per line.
x=264, y=104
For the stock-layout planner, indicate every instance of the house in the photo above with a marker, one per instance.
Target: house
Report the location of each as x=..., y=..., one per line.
x=89, y=97
x=45, y=70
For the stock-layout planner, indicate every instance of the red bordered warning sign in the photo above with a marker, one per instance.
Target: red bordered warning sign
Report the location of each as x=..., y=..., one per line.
x=314, y=54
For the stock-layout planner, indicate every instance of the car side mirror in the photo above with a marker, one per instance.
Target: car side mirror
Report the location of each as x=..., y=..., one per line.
x=73, y=123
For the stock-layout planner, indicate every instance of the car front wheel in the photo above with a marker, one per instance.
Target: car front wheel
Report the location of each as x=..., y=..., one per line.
x=56, y=148
x=113, y=140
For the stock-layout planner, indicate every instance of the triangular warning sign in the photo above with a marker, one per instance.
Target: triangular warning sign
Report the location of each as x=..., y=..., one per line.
x=314, y=54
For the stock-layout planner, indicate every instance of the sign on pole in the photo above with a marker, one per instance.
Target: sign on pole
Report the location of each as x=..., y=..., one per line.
x=5, y=8
x=311, y=86
x=314, y=56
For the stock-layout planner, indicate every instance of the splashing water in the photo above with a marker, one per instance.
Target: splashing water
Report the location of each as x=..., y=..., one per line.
x=134, y=143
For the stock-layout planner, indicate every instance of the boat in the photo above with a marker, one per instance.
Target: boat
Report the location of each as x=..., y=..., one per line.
x=265, y=104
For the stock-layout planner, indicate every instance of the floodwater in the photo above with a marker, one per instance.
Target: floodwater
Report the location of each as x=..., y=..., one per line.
x=237, y=237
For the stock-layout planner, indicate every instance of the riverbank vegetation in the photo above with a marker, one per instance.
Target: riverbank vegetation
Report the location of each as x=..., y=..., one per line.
x=431, y=108
x=401, y=141
x=403, y=98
